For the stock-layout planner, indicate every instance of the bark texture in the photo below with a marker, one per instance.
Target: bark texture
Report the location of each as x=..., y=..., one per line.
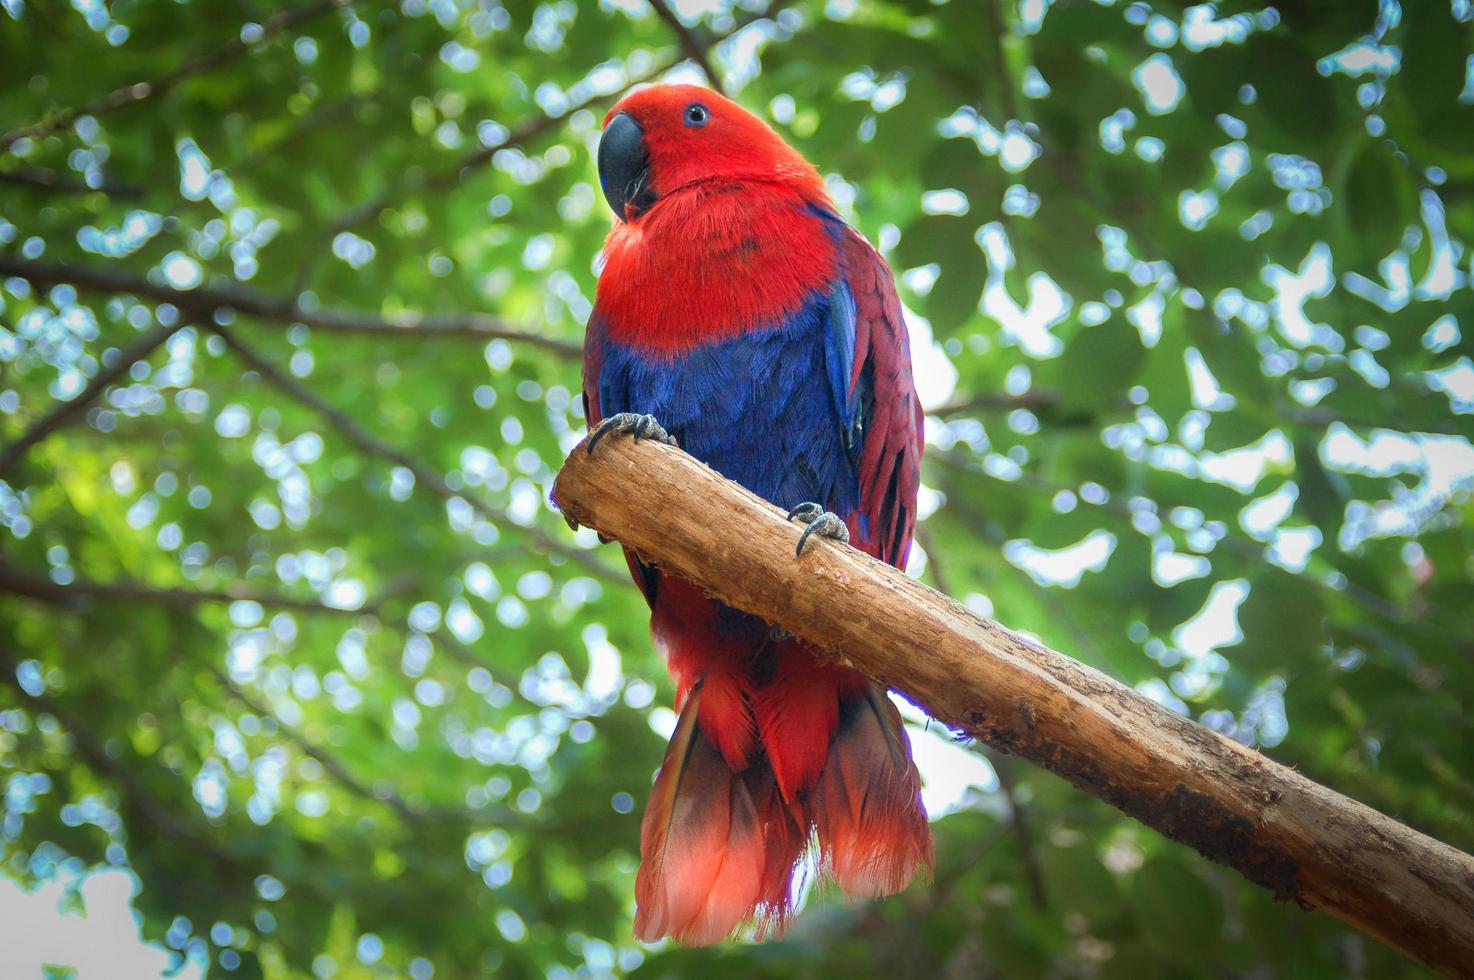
x=1298, y=839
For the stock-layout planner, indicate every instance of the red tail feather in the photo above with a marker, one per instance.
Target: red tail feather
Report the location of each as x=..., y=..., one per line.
x=719, y=848
x=872, y=829
x=796, y=710
x=784, y=840
x=704, y=860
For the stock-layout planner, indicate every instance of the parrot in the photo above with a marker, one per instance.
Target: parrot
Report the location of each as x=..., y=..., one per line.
x=739, y=317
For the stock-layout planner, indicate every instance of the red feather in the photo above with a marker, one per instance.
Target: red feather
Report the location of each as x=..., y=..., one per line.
x=704, y=859
x=872, y=830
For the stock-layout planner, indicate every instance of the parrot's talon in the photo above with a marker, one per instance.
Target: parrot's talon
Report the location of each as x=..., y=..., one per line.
x=603, y=538
x=572, y=524
x=805, y=512
x=820, y=522
x=637, y=425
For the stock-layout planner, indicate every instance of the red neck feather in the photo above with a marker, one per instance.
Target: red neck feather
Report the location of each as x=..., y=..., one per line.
x=711, y=261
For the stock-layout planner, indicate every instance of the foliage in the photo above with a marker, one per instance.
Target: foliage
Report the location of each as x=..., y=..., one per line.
x=358, y=702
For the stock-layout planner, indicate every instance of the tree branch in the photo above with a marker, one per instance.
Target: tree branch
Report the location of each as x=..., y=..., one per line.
x=424, y=475
x=1007, y=98
x=694, y=47
x=149, y=810
x=39, y=178
x=42, y=589
x=139, y=91
x=1018, y=820
x=1298, y=839
x=206, y=301
x=380, y=792
x=329, y=762
x=1045, y=402
x=1232, y=542
x=415, y=181
x=63, y=414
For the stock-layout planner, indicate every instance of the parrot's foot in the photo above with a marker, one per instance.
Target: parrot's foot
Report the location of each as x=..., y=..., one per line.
x=639, y=426
x=820, y=522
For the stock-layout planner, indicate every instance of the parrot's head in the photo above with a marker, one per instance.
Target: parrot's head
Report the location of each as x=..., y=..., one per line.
x=665, y=139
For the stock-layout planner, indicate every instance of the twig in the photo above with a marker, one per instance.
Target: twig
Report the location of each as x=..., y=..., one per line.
x=139, y=91
x=66, y=411
x=1033, y=400
x=933, y=565
x=424, y=475
x=1044, y=401
x=697, y=49
x=447, y=642
x=1008, y=98
x=44, y=590
x=382, y=793
x=207, y=301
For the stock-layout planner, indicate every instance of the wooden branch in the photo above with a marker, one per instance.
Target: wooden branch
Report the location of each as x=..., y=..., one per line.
x=1282, y=831
x=65, y=412
x=206, y=301
x=139, y=91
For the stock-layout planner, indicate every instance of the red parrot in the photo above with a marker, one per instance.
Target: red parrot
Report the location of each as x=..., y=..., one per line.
x=740, y=318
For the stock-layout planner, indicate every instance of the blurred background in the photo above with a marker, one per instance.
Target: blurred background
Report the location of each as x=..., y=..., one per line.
x=301, y=676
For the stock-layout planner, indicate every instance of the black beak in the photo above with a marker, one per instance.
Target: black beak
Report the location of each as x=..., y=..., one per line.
x=624, y=167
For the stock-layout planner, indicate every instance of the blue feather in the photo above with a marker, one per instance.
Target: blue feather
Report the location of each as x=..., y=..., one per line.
x=771, y=409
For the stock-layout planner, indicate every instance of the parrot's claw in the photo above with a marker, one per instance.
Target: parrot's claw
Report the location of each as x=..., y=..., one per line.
x=574, y=526
x=637, y=425
x=820, y=522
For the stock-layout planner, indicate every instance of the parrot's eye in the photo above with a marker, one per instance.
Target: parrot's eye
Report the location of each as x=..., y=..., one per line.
x=697, y=114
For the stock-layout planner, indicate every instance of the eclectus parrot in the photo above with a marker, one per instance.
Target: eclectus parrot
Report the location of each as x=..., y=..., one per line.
x=740, y=318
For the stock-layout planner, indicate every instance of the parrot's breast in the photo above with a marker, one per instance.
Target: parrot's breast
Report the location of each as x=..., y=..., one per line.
x=713, y=263
x=758, y=408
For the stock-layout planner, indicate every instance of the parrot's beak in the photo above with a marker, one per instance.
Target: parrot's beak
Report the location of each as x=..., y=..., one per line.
x=624, y=168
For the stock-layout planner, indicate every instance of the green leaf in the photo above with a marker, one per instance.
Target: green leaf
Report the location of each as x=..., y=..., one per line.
x=1100, y=364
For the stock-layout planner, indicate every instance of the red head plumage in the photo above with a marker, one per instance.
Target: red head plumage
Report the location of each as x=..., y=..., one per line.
x=696, y=136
